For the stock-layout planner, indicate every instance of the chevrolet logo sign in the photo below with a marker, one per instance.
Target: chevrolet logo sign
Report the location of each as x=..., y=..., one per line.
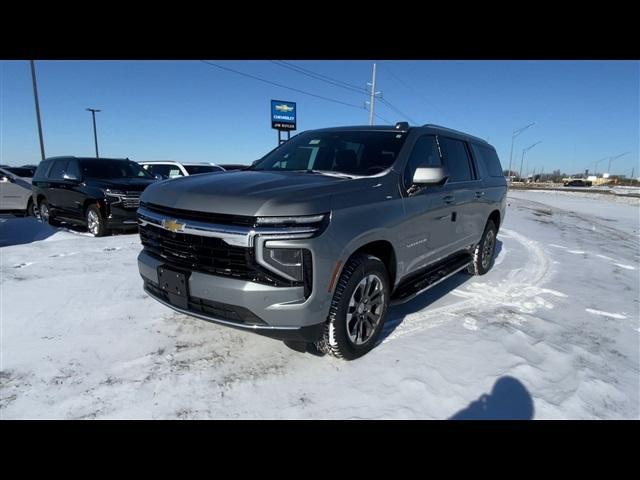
x=284, y=108
x=173, y=225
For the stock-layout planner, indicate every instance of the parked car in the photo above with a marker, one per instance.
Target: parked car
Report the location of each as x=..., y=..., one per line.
x=577, y=182
x=314, y=241
x=25, y=171
x=170, y=169
x=99, y=193
x=15, y=192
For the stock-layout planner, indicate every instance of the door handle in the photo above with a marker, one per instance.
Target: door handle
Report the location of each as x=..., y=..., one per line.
x=448, y=199
x=479, y=194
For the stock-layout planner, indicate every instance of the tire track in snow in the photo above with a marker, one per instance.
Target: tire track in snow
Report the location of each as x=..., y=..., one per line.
x=519, y=292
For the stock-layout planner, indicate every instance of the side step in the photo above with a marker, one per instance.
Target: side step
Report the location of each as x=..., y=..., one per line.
x=429, y=277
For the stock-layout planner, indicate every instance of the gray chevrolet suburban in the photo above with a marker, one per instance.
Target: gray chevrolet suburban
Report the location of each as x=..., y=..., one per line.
x=313, y=242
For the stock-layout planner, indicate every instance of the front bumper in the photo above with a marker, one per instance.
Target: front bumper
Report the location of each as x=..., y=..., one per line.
x=119, y=217
x=277, y=312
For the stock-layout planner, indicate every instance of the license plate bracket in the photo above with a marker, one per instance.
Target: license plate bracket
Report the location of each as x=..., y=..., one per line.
x=176, y=285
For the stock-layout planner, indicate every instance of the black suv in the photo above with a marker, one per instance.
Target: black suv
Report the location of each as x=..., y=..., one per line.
x=99, y=193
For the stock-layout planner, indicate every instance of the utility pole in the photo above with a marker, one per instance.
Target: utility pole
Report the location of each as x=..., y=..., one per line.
x=515, y=133
x=373, y=95
x=95, y=135
x=35, y=96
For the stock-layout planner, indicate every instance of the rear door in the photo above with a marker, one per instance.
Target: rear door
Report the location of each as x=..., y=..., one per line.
x=463, y=187
x=13, y=195
x=53, y=186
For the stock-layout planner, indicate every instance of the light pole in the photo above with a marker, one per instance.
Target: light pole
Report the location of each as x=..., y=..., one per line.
x=613, y=158
x=35, y=96
x=513, y=137
x=525, y=150
x=95, y=135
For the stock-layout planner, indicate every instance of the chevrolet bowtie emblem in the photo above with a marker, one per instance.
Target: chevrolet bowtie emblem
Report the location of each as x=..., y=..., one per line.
x=284, y=108
x=173, y=225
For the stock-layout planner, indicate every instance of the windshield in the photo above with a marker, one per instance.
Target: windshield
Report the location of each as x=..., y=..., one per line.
x=196, y=169
x=349, y=152
x=112, y=169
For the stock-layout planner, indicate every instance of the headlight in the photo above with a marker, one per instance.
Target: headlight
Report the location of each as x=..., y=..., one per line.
x=114, y=196
x=297, y=220
x=287, y=261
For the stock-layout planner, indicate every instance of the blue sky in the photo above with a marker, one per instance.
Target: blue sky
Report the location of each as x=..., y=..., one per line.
x=187, y=110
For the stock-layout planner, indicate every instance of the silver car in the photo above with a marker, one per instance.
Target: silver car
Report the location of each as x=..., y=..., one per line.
x=15, y=193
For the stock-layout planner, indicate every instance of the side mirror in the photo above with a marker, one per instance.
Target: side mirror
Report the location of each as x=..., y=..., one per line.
x=5, y=179
x=430, y=176
x=157, y=176
x=71, y=177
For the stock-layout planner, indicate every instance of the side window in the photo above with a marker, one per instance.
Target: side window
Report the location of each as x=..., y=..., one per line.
x=424, y=154
x=57, y=171
x=456, y=159
x=42, y=170
x=73, y=169
x=489, y=158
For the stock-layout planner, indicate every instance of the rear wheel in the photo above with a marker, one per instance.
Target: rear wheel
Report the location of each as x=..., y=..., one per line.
x=483, y=253
x=96, y=223
x=31, y=209
x=358, y=309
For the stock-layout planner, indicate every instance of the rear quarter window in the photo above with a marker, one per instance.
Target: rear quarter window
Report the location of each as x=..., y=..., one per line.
x=42, y=170
x=488, y=158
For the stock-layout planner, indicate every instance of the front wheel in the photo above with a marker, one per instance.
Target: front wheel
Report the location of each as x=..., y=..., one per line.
x=45, y=214
x=483, y=253
x=96, y=224
x=358, y=309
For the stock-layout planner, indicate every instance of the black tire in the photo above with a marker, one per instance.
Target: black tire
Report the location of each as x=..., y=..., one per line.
x=485, y=250
x=96, y=223
x=45, y=214
x=336, y=339
x=30, y=211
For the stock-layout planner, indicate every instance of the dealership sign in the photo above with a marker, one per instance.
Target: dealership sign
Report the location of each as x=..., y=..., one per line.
x=283, y=115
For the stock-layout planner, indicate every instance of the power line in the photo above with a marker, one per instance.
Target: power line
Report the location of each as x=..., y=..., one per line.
x=409, y=87
x=383, y=119
x=397, y=110
x=319, y=76
x=283, y=86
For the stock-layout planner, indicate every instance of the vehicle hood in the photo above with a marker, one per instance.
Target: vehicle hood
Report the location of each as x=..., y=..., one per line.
x=252, y=193
x=125, y=184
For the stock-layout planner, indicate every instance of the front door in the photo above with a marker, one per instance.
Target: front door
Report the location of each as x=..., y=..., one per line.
x=427, y=226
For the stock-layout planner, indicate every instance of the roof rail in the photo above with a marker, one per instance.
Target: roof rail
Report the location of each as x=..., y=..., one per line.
x=447, y=129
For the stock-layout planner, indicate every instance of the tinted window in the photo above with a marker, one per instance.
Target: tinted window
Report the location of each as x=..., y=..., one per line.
x=58, y=169
x=41, y=171
x=73, y=169
x=347, y=151
x=104, y=168
x=424, y=154
x=456, y=159
x=195, y=169
x=489, y=158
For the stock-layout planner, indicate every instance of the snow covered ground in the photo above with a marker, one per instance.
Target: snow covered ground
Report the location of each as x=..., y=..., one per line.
x=553, y=331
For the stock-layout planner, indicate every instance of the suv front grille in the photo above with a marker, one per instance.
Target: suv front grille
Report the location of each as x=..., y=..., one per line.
x=206, y=254
x=131, y=199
